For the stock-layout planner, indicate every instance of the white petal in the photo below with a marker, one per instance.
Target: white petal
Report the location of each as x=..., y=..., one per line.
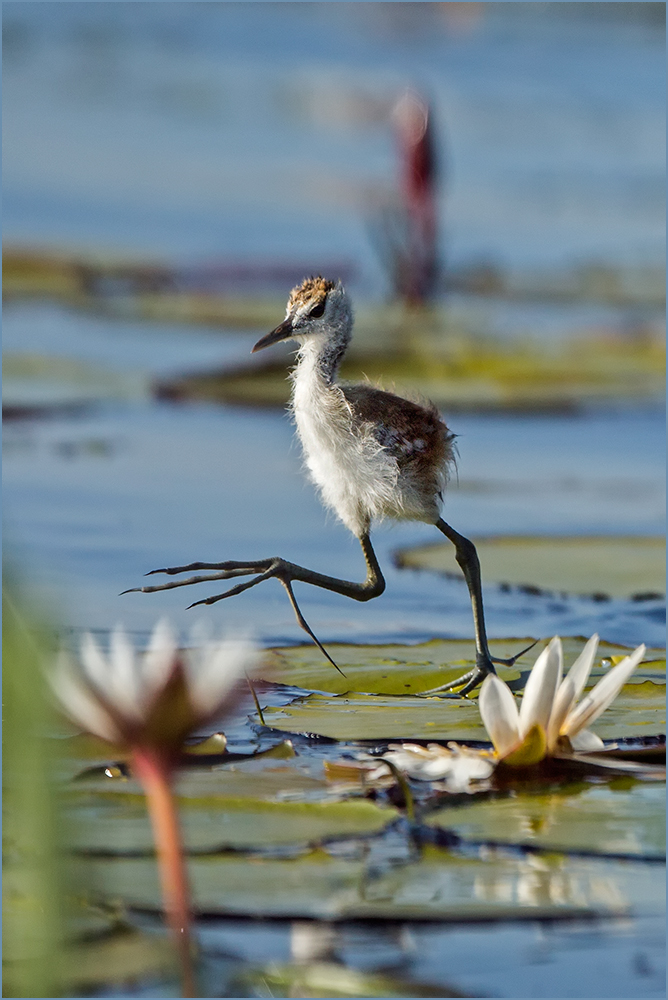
x=412, y=750
x=605, y=692
x=586, y=741
x=158, y=661
x=563, y=702
x=212, y=674
x=80, y=703
x=123, y=684
x=419, y=763
x=467, y=768
x=96, y=667
x=541, y=688
x=499, y=713
x=201, y=634
x=570, y=690
x=581, y=669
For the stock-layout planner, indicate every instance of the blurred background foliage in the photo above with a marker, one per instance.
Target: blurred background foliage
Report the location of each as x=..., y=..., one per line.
x=32, y=890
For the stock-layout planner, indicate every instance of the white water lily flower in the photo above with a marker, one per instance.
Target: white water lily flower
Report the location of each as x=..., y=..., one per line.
x=457, y=765
x=152, y=699
x=550, y=718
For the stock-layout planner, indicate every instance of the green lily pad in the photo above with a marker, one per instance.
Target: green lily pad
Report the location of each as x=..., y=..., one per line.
x=123, y=827
x=374, y=717
x=222, y=808
x=603, y=818
x=375, y=700
x=438, y=886
x=122, y=957
x=639, y=710
x=396, y=669
x=614, y=566
x=331, y=979
x=453, y=368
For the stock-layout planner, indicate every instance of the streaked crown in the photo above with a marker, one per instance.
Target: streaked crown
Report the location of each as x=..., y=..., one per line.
x=311, y=292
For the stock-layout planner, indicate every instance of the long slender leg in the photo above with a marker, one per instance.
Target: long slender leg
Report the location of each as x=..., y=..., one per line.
x=467, y=557
x=281, y=569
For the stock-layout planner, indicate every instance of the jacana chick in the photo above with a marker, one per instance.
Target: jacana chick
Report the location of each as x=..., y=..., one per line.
x=371, y=454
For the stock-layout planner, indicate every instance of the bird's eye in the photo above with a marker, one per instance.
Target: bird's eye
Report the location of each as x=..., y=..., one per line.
x=318, y=310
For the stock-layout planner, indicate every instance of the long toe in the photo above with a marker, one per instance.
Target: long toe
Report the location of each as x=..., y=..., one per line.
x=473, y=682
x=512, y=660
x=452, y=685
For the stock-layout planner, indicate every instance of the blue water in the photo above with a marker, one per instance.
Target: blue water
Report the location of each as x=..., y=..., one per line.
x=263, y=130
x=92, y=503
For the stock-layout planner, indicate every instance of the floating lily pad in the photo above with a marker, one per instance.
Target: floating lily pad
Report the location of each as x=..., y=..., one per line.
x=424, y=356
x=639, y=710
x=331, y=979
x=396, y=669
x=386, y=671
x=614, y=566
x=122, y=957
x=437, y=886
x=223, y=808
x=375, y=717
x=123, y=827
x=38, y=382
x=603, y=818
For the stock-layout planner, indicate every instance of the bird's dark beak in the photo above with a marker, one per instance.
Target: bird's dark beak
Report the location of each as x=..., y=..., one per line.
x=282, y=332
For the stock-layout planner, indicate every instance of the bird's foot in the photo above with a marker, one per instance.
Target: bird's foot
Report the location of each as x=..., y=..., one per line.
x=468, y=681
x=260, y=570
x=484, y=666
x=512, y=660
x=263, y=568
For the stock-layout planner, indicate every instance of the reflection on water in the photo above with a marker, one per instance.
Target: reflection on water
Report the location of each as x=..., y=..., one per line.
x=542, y=882
x=512, y=881
x=532, y=960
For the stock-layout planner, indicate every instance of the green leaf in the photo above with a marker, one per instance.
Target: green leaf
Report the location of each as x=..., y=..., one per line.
x=371, y=717
x=639, y=710
x=331, y=979
x=122, y=957
x=610, y=818
x=438, y=886
x=360, y=705
x=240, y=807
x=243, y=824
x=453, y=367
x=614, y=566
x=396, y=669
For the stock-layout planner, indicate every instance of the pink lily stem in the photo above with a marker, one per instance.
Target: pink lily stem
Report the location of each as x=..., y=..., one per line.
x=154, y=770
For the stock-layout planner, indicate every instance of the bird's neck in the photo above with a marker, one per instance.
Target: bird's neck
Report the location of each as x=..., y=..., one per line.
x=318, y=359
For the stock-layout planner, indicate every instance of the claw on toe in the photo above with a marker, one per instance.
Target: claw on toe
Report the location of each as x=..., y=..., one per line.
x=512, y=660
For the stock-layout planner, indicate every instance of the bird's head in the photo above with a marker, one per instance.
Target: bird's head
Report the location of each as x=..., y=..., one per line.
x=317, y=308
